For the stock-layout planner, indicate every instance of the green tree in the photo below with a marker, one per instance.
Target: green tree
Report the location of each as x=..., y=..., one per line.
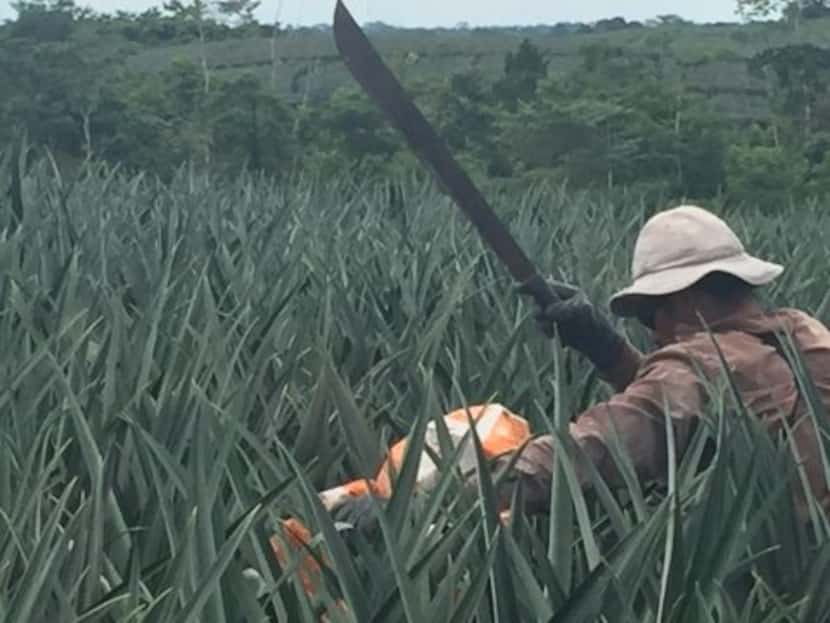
x=793, y=11
x=801, y=80
x=619, y=120
x=465, y=117
x=251, y=128
x=197, y=12
x=43, y=20
x=765, y=176
x=161, y=120
x=54, y=70
x=348, y=133
x=240, y=10
x=761, y=8
x=523, y=70
x=814, y=9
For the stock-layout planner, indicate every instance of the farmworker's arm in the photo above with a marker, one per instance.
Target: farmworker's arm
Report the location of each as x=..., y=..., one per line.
x=582, y=327
x=624, y=367
x=667, y=382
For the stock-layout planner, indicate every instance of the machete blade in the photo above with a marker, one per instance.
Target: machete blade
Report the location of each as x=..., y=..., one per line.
x=369, y=70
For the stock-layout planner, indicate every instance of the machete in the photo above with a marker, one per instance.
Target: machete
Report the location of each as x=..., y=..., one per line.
x=369, y=70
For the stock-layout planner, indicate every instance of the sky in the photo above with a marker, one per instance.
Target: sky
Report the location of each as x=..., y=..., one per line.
x=427, y=13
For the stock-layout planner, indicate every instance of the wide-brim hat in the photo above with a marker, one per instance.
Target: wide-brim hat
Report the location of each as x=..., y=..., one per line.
x=679, y=247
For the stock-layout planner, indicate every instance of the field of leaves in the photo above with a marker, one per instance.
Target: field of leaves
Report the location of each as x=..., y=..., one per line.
x=183, y=365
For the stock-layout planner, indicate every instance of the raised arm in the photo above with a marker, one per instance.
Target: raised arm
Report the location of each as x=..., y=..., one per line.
x=667, y=383
x=584, y=328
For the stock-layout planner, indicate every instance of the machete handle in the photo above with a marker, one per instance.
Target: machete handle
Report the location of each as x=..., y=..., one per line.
x=541, y=291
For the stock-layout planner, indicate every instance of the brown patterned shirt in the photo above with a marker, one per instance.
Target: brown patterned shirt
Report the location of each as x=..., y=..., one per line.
x=677, y=379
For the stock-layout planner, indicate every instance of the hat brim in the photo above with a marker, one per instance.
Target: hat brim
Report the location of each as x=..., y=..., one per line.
x=754, y=271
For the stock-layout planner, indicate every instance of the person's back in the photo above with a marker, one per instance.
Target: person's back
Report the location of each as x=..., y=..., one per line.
x=758, y=350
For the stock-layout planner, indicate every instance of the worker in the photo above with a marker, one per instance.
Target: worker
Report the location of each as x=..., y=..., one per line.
x=693, y=286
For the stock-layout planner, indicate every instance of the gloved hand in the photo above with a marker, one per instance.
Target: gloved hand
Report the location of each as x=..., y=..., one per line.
x=358, y=512
x=580, y=326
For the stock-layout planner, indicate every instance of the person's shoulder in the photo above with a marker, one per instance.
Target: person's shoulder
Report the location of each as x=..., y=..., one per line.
x=683, y=356
x=802, y=324
x=689, y=347
x=796, y=316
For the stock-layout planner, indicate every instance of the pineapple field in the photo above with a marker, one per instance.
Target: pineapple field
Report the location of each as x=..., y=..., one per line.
x=185, y=364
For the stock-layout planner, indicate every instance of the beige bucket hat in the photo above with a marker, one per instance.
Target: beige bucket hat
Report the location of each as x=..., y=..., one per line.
x=677, y=248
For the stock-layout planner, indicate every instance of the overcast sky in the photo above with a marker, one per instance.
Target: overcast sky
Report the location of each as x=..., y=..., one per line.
x=451, y=12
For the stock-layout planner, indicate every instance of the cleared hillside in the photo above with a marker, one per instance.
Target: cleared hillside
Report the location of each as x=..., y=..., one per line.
x=710, y=59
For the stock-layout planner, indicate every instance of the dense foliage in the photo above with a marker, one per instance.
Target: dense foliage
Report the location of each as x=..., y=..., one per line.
x=183, y=364
x=669, y=107
x=224, y=286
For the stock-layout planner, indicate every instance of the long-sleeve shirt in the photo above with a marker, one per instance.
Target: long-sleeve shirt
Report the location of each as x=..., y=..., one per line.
x=676, y=380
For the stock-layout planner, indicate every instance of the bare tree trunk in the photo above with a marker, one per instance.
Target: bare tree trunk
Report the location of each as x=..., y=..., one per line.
x=86, y=117
x=678, y=169
x=274, y=56
x=200, y=15
x=797, y=19
x=203, y=54
x=274, y=33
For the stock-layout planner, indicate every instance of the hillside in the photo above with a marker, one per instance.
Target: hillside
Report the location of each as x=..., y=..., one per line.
x=709, y=59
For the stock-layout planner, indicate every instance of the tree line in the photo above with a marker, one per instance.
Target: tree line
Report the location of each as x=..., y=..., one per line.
x=618, y=119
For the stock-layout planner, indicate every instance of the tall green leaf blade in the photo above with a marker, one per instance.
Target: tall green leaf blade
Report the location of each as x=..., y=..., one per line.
x=210, y=582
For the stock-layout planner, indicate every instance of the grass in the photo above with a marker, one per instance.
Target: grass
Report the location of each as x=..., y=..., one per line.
x=185, y=365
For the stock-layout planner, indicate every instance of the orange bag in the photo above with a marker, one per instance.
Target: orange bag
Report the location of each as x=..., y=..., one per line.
x=499, y=430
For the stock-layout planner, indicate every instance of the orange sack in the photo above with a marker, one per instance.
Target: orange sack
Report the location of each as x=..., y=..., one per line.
x=499, y=430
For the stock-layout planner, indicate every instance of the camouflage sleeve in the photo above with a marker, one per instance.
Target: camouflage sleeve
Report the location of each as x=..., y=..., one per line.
x=666, y=383
x=625, y=368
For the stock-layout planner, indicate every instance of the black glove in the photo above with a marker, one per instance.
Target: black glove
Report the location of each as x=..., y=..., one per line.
x=358, y=512
x=580, y=326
